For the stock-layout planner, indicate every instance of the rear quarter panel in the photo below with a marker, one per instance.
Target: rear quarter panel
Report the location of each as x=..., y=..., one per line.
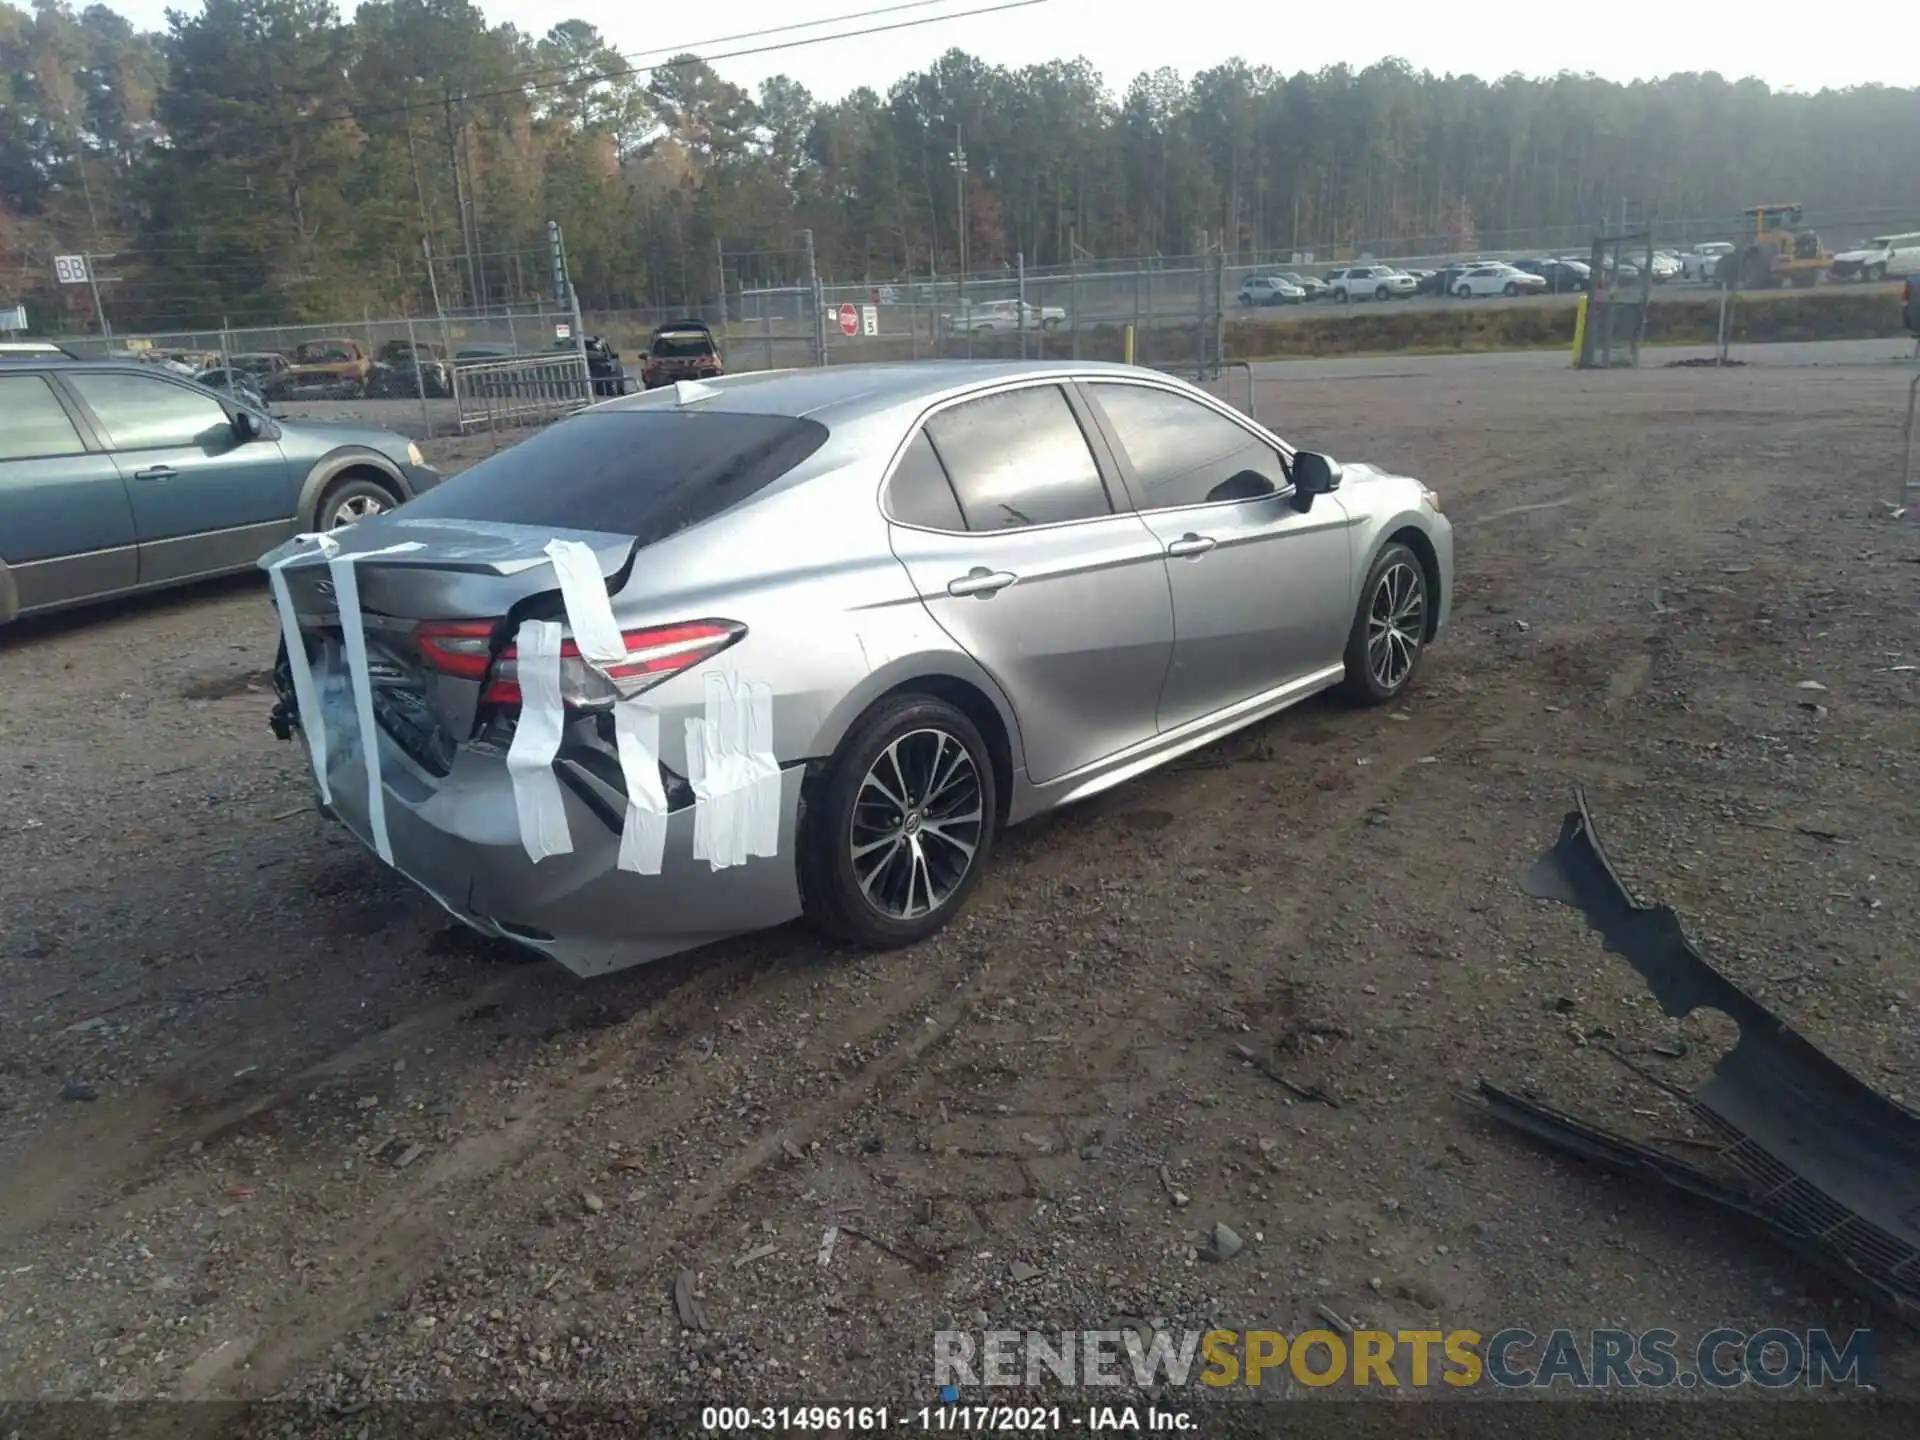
x=833, y=621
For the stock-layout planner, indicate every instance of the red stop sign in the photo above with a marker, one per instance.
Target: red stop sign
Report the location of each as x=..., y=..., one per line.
x=849, y=320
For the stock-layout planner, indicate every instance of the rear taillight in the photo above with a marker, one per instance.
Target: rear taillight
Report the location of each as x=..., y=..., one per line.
x=464, y=649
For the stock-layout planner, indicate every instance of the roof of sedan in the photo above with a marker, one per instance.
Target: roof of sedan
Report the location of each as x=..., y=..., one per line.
x=859, y=389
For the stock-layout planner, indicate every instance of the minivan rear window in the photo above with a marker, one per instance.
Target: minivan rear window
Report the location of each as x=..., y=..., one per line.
x=647, y=473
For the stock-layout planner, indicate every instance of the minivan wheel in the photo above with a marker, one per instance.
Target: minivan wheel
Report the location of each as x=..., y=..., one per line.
x=901, y=825
x=350, y=501
x=1389, y=628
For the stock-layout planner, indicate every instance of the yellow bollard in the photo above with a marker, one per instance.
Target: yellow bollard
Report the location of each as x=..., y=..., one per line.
x=1127, y=344
x=1579, y=329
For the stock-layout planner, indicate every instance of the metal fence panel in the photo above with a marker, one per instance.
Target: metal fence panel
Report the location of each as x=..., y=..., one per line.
x=498, y=395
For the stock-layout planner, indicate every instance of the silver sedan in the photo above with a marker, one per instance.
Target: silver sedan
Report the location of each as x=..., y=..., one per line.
x=698, y=661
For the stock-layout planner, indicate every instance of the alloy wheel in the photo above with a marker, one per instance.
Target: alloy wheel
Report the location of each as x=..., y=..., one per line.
x=918, y=818
x=356, y=508
x=1396, y=624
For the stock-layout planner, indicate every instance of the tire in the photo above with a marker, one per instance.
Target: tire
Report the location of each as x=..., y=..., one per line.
x=1876, y=273
x=1380, y=292
x=1339, y=297
x=1050, y=325
x=912, y=733
x=350, y=499
x=1511, y=290
x=1389, y=629
x=1465, y=292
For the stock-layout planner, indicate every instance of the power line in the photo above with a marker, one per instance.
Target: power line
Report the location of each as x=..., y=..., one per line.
x=574, y=74
x=352, y=113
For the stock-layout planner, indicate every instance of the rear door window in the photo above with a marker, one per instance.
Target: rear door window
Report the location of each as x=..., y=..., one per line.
x=37, y=424
x=920, y=493
x=1019, y=459
x=646, y=473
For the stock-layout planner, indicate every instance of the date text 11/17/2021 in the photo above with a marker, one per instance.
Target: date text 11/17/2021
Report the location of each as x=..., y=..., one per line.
x=946, y=1418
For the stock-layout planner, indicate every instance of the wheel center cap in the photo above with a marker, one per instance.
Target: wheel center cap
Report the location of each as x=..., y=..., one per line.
x=911, y=826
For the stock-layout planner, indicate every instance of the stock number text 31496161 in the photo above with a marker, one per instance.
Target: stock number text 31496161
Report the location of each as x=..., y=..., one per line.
x=960, y=1419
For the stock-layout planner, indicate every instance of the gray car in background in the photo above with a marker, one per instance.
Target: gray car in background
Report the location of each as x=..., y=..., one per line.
x=698, y=661
x=120, y=477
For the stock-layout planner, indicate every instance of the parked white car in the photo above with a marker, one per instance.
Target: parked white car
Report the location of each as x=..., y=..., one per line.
x=1496, y=278
x=991, y=317
x=1666, y=266
x=1884, y=257
x=1270, y=290
x=1701, y=262
x=1376, y=282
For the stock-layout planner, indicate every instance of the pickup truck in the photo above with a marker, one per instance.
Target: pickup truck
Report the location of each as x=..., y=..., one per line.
x=1004, y=317
x=1699, y=262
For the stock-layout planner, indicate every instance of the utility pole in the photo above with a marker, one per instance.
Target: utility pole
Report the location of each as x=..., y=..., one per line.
x=569, y=299
x=819, y=303
x=446, y=334
x=419, y=190
x=960, y=198
x=93, y=280
x=720, y=273
x=460, y=199
x=1020, y=311
x=473, y=206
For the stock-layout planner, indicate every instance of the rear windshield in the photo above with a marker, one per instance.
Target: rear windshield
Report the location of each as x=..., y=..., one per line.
x=685, y=343
x=646, y=473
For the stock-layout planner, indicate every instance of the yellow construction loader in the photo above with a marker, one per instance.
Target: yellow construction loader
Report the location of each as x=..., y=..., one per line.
x=1777, y=249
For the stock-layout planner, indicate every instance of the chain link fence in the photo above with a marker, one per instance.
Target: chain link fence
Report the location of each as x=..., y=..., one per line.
x=1171, y=312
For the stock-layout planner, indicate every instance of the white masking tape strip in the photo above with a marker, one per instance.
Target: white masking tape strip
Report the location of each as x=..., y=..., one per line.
x=313, y=724
x=353, y=634
x=643, y=839
x=589, y=611
x=735, y=778
x=536, y=740
x=636, y=728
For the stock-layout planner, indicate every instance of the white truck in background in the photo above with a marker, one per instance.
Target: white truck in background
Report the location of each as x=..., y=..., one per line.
x=1701, y=262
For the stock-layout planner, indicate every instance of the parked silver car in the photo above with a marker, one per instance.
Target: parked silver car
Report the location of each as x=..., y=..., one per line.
x=698, y=661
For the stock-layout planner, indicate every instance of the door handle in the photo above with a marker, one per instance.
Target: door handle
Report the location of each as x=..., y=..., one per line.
x=156, y=472
x=982, y=582
x=1191, y=544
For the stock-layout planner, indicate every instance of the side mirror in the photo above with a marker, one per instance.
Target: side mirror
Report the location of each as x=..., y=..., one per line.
x=1313, y=474
x=246, y=426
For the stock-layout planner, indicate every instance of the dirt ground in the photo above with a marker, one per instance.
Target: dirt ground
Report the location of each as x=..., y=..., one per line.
x=269, y=1125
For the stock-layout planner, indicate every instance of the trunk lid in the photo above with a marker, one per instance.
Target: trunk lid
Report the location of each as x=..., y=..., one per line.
x=463, y=570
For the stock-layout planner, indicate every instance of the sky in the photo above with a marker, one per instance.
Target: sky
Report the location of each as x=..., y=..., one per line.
x=1124, y=37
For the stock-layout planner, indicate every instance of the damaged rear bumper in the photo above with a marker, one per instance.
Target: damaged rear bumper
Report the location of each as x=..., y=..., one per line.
x=1819, y=1156
x=458, y=837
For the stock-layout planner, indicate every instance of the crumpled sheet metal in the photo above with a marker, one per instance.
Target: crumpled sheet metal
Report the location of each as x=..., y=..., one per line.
x=1821, y=1152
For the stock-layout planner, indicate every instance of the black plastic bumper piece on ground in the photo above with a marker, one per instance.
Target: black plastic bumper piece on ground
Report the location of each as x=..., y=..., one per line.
x=1822, y=1155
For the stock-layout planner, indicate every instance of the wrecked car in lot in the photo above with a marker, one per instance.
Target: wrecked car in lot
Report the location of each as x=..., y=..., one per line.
x=329, y=369
x=697, y=661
